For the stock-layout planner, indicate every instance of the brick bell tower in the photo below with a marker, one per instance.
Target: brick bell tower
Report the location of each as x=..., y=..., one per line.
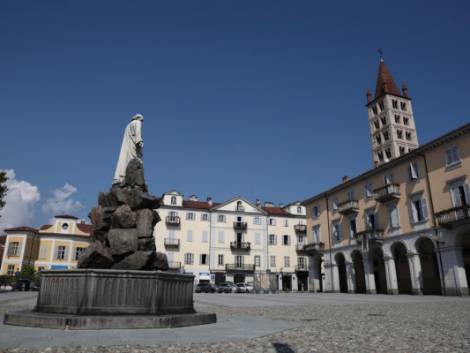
x=391, y=122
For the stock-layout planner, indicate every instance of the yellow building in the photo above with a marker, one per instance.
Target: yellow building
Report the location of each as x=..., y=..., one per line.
x=402, y=227
x=53, y=246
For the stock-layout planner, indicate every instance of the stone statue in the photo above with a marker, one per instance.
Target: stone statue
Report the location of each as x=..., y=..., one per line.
x=125, y=217
x=131, y=148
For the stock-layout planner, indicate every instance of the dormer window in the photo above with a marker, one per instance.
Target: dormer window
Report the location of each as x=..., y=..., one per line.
x=299, y=209
x=240, y=206
x=173, y=200
x=65, y=226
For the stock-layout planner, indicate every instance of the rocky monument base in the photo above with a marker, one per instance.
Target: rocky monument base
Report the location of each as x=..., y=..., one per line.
x=112, y=299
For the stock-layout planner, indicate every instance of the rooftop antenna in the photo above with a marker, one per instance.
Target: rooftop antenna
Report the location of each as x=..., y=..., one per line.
x=381, y=53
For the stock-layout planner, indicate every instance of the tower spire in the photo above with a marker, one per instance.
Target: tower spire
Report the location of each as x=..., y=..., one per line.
x=385, y=83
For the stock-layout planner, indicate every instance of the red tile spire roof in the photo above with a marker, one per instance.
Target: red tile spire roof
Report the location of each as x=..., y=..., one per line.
x=385, y=83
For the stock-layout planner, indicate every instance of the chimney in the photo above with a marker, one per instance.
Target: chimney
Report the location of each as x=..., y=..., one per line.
x=209, y=200
x=404, y=90
x=268, y=204
x=193, y=198
x=258, y=202
x=345, y=179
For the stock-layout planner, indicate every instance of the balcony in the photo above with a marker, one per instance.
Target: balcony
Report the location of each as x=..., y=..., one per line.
x=240, y=245
x=240, y=267
x=369, y=238
x=300, y=247
x=301, y=268
x=240, y=225
x=171, y=242
x=389, y=192
x=348, y=207
x=454, y=217
x=173, y=220
x=174, y=265
x=300, y=228
x=314, y=248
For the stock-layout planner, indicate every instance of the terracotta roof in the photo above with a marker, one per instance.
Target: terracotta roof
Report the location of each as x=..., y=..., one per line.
x=198, y=204
x=385, y=83
x=45, y=226
x=21, y=229
x=66, y=216
x=276, y=211
x=85, y=228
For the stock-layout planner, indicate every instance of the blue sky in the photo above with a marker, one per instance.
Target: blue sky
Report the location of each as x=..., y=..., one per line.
x=263, y=99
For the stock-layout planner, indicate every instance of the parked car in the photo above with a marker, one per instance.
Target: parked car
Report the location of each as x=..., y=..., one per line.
x=226, y=287
x=205, y=288
x=241, y=288
x=249, y=287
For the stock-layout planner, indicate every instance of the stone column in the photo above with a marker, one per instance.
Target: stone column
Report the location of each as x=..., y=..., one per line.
x=331, y=278
x=351, y=277
x=415, y=273
x=279, y=282
x=295, y=282
x=369, y=273
x=313, y=275
x=455, y=279
x=391, y=275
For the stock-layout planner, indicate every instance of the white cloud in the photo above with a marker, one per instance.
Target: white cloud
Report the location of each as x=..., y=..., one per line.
x=61, y=201
x=20, y=199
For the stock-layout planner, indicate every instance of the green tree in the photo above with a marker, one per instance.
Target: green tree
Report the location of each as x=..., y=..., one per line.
x=3, y=188
x=29, y=272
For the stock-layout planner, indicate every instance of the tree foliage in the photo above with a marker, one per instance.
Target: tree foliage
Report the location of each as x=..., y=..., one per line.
x=3, y=188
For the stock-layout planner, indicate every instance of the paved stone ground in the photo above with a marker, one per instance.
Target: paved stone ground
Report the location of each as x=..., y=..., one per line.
x=319, y=323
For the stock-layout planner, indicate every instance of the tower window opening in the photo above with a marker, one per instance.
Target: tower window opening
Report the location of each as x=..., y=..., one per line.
x=400, y=134
x=408, y=135
x=394, y=104
x=374, y=109
x=383, y=120
x=381, y=105
x=397, y=119
x=376, y=124
x=379, y=139
x=380, y=155
x=388, y=153
x=406, y=121
x=386, y=135
x=403, y=106
x=402, y=150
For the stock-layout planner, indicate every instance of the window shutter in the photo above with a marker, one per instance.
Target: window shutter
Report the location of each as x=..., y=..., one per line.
x=456, y=200
x=424, y=207
x=66, y=253
x=414, y=212
x=467, y=193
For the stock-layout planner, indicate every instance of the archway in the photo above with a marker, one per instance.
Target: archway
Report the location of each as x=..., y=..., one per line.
x=464, y=242
x=343, y=280
x=429, y=266
x=402, y=268
x=317, y=266
x=379, y=270
x=359, y=274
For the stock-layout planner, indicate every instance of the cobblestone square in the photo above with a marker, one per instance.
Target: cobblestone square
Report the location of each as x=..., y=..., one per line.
x=273, y=323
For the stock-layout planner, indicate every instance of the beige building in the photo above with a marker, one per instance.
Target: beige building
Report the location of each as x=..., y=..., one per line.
x=402, y=227
x=53, y=246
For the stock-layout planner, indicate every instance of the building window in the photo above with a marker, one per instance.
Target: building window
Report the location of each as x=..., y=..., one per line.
x=351, y=195
x=388, y=153
x=205, y=236
x=272, y=239
x=299, y=209
x=315, y=212
x=413, y=171
x=220, y=259
x=406, y=121
x=221, y=237
x=257, y=238
x=371, y=222
x=300, y=240
x=272, y=261
x=388, y=179
x=316, y=234
x=286, y=261
x=336, y=227
x=352, y=228
x=386, y=135
x=380, y=156
x=381, y=105
x=301, y=262
x=204, y=217
x=60, y=255
x=78, y=252
x=257, y=260
x=397, y=119
x=374, y=109
x=188, y=259
x=408, y=135
x=43, y=251
x=13, y=249
x=272, y=221
x=383, y=120
x=285, y=240
x=394, y=104
x=240, y=207
x=11, y=270
x=403, y=106
x=394, y=217
x=369, y=192
x=221, y=218
x=286, y=223
x=376, y=124
x=419, y=209
x=203, y=259
x=334, y=204
x=190, y=216
x=452, y=156
x=239, y=260
x=400, y=134
x=257, y=220
x=173, y=200
x=402, y=150
x=378, y=138
x=189, y=236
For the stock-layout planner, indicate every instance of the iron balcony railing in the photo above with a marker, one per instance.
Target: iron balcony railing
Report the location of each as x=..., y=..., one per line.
x=301, y=268
x=369, y=238
x=453, y=216
x=240, y=267
x=387, y=193
x=348, y=207
x=240, y=225
x=300, y=228
x=314, y=248
x=173, y=220
x=300, y=247
x=240, y=245
x=172, y=242
x=174, y=265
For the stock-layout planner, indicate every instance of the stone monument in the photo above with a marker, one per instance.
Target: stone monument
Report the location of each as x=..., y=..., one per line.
x=121, y=280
